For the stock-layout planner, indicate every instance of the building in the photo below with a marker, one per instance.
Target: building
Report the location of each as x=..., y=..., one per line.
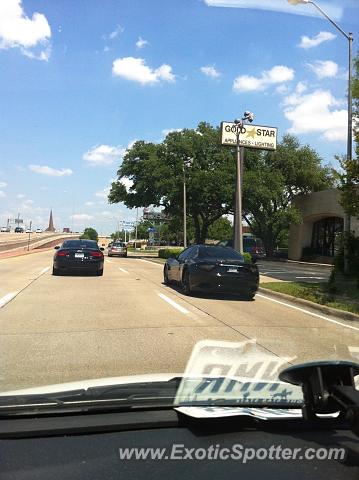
x=51, y=227
x=322, y=220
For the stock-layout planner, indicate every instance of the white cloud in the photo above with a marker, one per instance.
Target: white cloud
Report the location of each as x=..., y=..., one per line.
x=131, y=144
x=307, y=42
x=106, y=214
x=2, y=194
x=334, y=11
x=103, y=193
x=3, y=184
x=20, y=195
x=127, y=182
x=19, y=31
x=277, y=74
x=52, y=172
x=324, y=68
x=111, y=36
x=166, y=131
x=141, y=43
x=27, y=205
x=104, y=155
x=81, y=216
x=89, y=204
x=135, y=69
x=316, y=112
x=210, y=71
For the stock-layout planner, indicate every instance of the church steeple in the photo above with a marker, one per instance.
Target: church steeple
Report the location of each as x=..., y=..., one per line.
x=51, y=227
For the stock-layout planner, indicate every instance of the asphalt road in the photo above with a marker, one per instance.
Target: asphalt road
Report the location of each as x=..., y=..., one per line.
x=294, y=272
x=58, y=329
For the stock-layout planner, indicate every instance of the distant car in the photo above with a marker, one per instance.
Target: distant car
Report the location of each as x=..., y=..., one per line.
x=38, y=230
x=117, y=248
x=5, y=229
x=19, y=230
x=212, y=268
x=78, y=255
x=252, y=245
x=28, y=230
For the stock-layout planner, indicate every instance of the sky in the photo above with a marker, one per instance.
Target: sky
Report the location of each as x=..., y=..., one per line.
x=82, y=80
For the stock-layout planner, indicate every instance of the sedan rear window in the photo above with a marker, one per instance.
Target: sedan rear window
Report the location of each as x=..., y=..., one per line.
x=224, y=253
x=118, y=244
x=80, y=244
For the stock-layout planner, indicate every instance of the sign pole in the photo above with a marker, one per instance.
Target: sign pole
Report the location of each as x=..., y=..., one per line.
x=238, y=230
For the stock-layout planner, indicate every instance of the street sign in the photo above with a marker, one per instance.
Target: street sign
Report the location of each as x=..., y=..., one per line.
x=251, y=136
x=18, y=220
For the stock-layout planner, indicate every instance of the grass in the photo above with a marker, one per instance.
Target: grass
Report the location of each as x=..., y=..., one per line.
x=347, y=297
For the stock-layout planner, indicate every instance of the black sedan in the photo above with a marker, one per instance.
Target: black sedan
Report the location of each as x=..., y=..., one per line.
x=78, y=255
x=212, y=268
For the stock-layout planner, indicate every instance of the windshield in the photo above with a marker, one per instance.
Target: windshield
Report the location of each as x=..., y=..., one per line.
x=224, y=253
x=179, y=197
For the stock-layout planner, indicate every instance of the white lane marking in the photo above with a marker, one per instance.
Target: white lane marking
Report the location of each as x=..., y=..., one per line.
x=173, y=303
x=123, y=270
x=274, y=271
x=308, y=312
x=44, y=270
x=109, y=261
x=152, y=263
x=314, y=278
x=6, y=298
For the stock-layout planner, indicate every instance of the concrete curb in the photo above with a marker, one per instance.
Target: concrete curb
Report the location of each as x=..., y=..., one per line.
x=315, y=306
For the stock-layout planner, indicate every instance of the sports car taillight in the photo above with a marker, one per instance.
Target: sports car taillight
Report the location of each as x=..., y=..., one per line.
x=62, y=253
x=96, y=254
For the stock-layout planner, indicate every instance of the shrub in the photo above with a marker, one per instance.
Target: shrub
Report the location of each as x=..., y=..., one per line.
x=169, y=252
x=247, y=257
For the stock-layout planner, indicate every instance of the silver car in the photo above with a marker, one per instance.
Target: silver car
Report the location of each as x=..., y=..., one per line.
x=117, y=248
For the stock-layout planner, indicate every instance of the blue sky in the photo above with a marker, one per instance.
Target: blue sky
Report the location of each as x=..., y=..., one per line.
x=82, y=80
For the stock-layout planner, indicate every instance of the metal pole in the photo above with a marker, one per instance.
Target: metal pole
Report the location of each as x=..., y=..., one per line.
x=349, y=37
x=347, y=220
x=136, y=227
x=184, y=209
x=238, y=234
x=28, y=239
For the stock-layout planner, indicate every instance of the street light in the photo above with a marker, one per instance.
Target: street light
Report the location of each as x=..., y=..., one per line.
x=349, y=37
x=238, y=229
x=187, y=162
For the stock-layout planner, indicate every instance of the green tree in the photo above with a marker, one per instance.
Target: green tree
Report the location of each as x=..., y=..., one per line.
x=271, y=182
x=118, y=235
x=348, y=176
x=221, y=229
x=156, y=171
x=89, y=234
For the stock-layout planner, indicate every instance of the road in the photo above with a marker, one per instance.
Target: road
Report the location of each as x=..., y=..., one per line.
x=57, y=329
x=294, y=271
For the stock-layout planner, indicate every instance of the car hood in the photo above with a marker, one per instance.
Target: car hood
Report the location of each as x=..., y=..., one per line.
x=95, y=382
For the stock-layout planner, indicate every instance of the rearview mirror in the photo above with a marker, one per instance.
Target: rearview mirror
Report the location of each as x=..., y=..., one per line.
x=57, y=247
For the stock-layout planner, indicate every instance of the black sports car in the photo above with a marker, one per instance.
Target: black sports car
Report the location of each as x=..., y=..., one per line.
x=78, y=255
x=210, y=268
